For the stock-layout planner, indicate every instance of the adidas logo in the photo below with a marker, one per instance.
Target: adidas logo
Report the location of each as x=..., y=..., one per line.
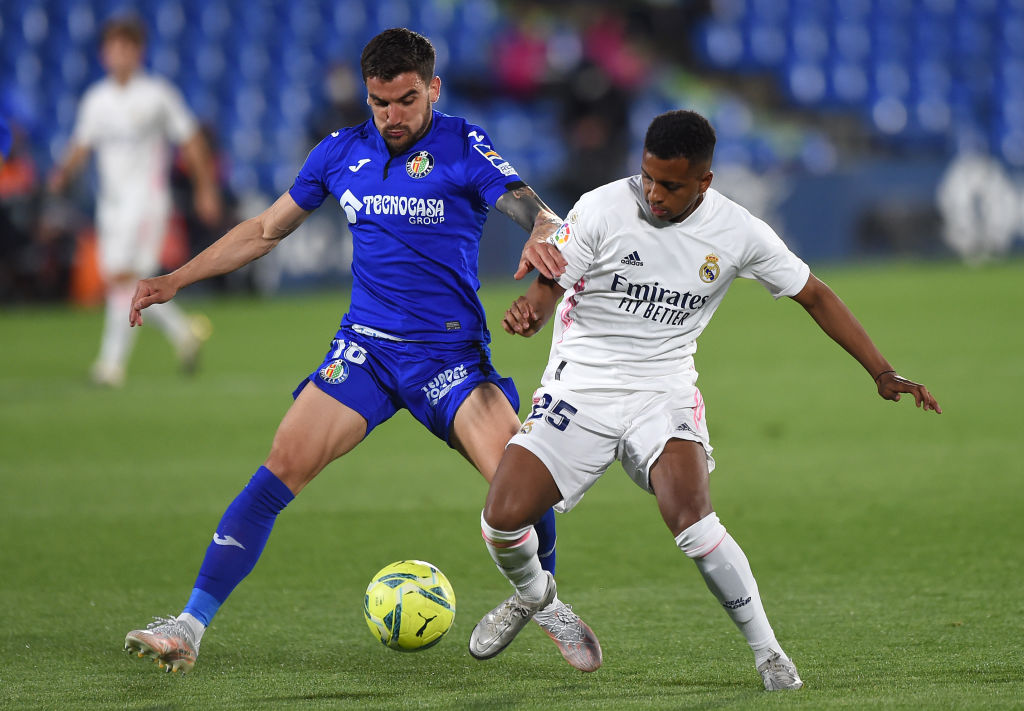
x=632, y=259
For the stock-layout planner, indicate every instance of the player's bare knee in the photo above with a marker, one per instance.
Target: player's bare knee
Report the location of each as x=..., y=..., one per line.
x=679, y=516
x=294, y=468
x=507, y=511
x=687, y=519
x=503, y=517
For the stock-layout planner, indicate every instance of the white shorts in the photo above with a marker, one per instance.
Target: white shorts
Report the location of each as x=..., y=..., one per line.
x=578, y=436
x=131, y=237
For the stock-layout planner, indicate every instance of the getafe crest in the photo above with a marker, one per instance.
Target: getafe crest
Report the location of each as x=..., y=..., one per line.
x=419, y=165
x=708, y=271
x=334, y=372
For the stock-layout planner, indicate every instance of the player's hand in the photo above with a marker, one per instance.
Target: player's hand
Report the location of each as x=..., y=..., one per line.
x=148, y=292
x=891, y=384
x=540, y=254
x=521, y=319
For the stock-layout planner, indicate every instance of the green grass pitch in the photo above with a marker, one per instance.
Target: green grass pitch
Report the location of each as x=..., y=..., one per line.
x=886, y=541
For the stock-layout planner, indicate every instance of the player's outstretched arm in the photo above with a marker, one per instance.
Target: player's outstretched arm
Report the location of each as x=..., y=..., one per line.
x=247, y=241
x=836, y=319
x=528, y=211
x=528, y=314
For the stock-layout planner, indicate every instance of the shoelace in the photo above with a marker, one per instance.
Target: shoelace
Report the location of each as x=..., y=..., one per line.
x=565, y=621
x=517, y=608
x=778, y=669
x=509, y=609
x=161, y=621
x=175, y=627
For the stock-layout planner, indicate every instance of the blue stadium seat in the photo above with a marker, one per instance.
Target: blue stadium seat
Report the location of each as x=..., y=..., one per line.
x=806, y=82
x=434, y=18
x=768, y=45
x=810, y=41
x=848, y=83
x=165, y=60
x=851, y=40
x=215, y=20
x=390, y=13
x=720, y=43
x=169, y=21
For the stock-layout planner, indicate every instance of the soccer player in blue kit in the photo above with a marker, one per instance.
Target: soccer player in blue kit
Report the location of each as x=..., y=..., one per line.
x=416, y=186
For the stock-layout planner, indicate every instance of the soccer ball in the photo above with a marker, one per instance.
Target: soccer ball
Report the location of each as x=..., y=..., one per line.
x=409, y=605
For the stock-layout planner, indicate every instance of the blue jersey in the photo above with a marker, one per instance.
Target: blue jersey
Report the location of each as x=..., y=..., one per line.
x=416, y=221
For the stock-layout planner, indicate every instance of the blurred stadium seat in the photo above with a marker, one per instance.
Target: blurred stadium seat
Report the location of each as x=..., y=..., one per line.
x=916, y=70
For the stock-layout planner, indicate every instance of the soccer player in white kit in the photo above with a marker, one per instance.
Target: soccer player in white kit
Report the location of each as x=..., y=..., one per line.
x=131, y=119
x=648, y=260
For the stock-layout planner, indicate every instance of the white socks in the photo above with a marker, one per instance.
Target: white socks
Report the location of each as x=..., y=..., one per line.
x=727, y=573
x=118, y=335
x=515, y=554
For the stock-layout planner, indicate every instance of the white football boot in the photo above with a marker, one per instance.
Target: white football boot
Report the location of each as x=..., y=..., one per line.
x=779, y=673
x=501, y=625
x=575, y=640
x=167, y=641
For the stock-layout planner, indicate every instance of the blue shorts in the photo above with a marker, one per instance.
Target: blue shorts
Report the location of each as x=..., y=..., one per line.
x=378, y=377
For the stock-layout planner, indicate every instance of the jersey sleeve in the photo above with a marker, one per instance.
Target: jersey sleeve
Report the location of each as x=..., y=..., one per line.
x=310, y=187
x=180, y=122
x=486, y=170
x=576, y=240
x=773, y=264
x=87, y=121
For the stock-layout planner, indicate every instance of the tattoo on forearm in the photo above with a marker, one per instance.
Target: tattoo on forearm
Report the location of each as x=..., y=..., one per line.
x=523, y=205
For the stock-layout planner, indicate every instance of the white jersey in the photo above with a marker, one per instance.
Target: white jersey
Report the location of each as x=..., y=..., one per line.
x=130, y=128
x=639, y=290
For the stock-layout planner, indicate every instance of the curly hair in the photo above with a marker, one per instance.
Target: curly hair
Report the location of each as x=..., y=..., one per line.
x=680, y=134
x=397, y=51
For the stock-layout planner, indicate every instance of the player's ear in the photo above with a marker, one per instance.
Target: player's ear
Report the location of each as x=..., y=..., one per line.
x=705, y=182
x=434, y=90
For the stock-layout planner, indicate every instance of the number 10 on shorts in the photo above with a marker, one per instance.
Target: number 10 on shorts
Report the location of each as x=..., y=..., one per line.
x=350, y=351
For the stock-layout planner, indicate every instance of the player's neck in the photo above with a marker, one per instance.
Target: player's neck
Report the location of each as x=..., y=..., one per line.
x=699, y=201
x=123, y=78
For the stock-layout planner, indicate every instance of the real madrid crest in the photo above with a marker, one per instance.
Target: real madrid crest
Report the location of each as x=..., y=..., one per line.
x=419, y=164
x=708, y=271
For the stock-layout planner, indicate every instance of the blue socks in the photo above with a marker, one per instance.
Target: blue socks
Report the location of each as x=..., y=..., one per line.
x=245, y=527
x=238, y=542
x=546, y=539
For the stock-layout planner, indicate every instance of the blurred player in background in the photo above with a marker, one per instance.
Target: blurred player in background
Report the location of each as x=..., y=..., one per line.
x=649, y=260
x=416, y=186
x=130, y=119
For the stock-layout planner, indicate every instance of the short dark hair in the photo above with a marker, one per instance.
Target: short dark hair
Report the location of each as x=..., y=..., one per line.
x=397, y=51
x=680, y=134
x=127, y=27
